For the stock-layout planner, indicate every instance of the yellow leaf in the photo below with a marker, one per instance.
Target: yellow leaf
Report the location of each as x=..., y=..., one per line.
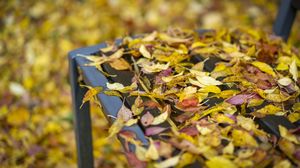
x=150, y=37
x=3, y=111
x=221, y=118
x=173, y=161
x=91, y=93
x=296, y=106
x=229, y=149
x=204, y=113
x=269, y=109
x=210, y=88
x=285, y=81
x=143, y=50
x=186, y=159
x=131, y=122
x=294, y=70
x=228, y=93
x=150, y=68
x=18, y=116
x=170, y=40
x=170, y=78
x=207, y=81
x=116, y=127
x=112, y=93
x=293, y=117
x=264, y=67
x=203, y=130
x=206, y=50
x=117, y=54
x=283, y=164
x=108, y=48
x=160, y=118
x=282, y=67
x=152, y=152
x=120, y=64
x=284, y=133
x=251, y=51
x=246, y=123
x=198, y=44
x=140, y=152
x=52, y=127
x=219, y=162
x=243, y=139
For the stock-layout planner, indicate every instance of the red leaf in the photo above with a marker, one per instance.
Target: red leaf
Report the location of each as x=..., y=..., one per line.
x=192, y=131
x=189, y=102
x=150, y=104
x=240, y=99
x=154, y=130
x=133, y=161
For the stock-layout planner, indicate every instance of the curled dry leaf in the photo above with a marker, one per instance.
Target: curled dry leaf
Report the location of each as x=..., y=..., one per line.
x=91, y=93
x=147, y=119
x=294, y=70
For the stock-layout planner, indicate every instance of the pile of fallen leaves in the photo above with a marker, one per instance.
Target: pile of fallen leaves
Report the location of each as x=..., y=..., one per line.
x=36, y=119
x=196, y=96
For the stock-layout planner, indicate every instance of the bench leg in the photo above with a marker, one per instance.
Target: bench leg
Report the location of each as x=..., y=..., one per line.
x=285, y=19
x=82, y=120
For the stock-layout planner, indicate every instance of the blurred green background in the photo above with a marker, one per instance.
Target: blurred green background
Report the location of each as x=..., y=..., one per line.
x=35, y=37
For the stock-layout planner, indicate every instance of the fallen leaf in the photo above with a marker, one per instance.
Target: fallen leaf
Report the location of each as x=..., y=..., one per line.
x=152, y=152
x=173, y=161
x=147, y=119
x=120, y=64
x=219, y=162
x=91, y=93
x=294, y=70
x=264, y=67
x=243, y=139
x=228, y=149
x=285, y=81
x=143, y=50
x=160, y=118
x=18, y=116
x=124, y=113
x=240, y=99
x=154, y=130
x=115, y=86
x=206, y=81
x=284, y=133
x=134, y=161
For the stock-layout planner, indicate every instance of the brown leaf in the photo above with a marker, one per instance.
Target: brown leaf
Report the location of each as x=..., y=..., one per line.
x=120, y=64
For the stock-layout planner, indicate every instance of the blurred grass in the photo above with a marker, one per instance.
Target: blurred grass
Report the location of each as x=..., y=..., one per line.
x=35, y=37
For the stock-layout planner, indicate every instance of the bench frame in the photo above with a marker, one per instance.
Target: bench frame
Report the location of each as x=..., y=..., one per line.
x=110, y=104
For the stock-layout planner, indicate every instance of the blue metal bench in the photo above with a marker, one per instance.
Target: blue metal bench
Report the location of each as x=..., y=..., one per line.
x=111, y=105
